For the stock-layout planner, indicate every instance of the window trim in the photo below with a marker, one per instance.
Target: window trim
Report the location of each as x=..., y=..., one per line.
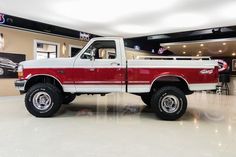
x=45, y=42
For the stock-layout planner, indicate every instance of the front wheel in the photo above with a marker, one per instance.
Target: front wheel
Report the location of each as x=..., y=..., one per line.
x=169, y=103
x=43, y=100
x=146, y=98
x=68, y=98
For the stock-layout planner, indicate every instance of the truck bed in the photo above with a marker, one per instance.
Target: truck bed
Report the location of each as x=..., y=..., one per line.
x=198, y=72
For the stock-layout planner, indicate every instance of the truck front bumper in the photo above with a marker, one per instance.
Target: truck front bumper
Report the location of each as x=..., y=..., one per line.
x=20, y=85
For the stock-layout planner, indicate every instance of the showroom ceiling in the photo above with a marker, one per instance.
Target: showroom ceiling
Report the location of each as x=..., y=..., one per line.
x=126, y=18
x=217, y=47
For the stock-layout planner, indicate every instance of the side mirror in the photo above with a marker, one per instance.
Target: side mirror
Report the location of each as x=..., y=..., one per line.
x=93, y=54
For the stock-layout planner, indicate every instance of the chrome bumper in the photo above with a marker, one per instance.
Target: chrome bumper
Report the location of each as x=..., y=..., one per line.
x=20, y=85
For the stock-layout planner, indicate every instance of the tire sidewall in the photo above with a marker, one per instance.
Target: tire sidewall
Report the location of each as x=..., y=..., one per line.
x=55, y=100
x=32, y=94
x=68, y=98
x=158, y=97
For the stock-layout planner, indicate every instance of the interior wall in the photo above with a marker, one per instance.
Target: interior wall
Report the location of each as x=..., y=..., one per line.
x=22, y=42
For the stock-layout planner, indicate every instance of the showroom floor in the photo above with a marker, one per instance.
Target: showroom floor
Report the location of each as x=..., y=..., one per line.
x=119, y=125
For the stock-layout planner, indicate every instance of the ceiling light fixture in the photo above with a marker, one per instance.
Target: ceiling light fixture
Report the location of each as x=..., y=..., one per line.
x=224, y=44
x=184, y=52
x=197, y=55
x=201, y=45
x=233, y=54
x=184, y=46
x=200, y=52
x=220, y=51
x=64, y=49
x=168, y=47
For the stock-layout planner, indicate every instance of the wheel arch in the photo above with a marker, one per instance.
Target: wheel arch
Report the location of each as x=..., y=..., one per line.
x=171, y=80
x=43, y=78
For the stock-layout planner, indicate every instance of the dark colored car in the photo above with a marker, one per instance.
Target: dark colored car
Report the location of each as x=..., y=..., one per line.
x=7, y=65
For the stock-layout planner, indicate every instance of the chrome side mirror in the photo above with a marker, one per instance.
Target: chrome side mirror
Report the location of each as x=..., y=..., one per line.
x=93, y=54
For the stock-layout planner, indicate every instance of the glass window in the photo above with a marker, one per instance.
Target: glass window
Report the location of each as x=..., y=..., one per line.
x=101, y=49
x=44, y=51
x=74, y=51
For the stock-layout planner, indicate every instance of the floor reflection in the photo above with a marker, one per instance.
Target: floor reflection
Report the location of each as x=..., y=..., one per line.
x=201, y=106
x=120, y=124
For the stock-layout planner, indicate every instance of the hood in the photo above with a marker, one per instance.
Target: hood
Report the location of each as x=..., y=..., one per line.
x=49, y=63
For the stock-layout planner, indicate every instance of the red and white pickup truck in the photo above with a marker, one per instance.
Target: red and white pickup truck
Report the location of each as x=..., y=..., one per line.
x=101, y=67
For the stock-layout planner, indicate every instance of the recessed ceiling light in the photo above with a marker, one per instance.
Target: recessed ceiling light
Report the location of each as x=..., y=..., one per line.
x=201, y=45
x=197, y=55
x=233, y=54
x=184, y=52
x=200, y=52
x=184, y=46
x=220, y=51
x=168, y=47
x=224, y=44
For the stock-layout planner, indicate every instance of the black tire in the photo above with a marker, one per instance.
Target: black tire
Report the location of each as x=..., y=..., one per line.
x=49, y=93
x=169, y=103
x=68, y=98
x=146, y=98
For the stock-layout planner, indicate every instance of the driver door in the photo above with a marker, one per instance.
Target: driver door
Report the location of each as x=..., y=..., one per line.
x=98, y=69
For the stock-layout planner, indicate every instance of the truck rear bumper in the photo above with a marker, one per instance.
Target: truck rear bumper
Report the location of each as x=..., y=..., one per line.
x=20, y=85
x=202, y=86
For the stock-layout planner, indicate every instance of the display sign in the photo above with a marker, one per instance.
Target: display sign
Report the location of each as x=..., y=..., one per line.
x=2, y=19
x=8, y=64
x=222, y=65
x=84, y=36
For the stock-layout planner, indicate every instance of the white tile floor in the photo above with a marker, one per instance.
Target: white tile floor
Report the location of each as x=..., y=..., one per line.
x=119, y=125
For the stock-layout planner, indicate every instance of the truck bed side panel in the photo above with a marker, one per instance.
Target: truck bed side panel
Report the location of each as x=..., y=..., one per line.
x=142, y=73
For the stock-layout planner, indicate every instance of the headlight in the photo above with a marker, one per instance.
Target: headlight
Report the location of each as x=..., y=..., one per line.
x=20, y=71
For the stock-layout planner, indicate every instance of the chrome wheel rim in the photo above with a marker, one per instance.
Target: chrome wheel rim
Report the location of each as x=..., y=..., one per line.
x=1, y=71
x=170, y=104
x=42, y=101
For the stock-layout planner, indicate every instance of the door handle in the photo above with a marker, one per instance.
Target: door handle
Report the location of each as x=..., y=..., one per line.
x=115, y=63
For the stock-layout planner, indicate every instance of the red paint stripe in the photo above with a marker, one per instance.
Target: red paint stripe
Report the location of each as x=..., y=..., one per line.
x=112, y=75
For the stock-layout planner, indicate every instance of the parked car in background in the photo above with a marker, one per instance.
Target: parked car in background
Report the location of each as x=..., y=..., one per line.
x=6, y=66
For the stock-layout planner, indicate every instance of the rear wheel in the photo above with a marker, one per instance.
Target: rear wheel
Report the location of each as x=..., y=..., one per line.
x=169, y=103
x=43, y=100
x=68, y=98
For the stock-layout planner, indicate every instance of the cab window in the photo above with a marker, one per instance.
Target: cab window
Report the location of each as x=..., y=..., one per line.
x=102, y=50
